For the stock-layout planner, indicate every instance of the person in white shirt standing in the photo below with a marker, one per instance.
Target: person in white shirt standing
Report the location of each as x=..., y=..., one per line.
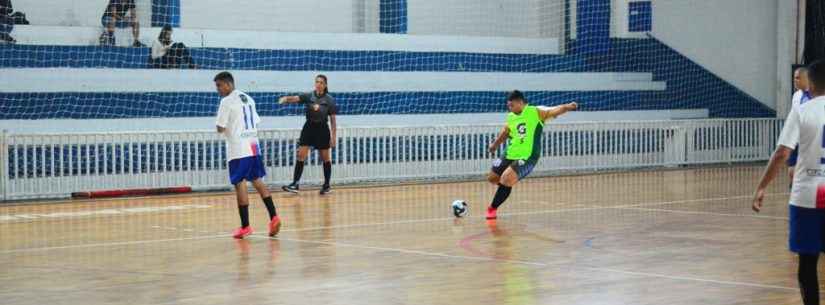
x=801, y=96
x=238, y=121
x=805, y=126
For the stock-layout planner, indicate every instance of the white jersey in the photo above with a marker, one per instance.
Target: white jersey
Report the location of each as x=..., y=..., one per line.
x=238, y=115
x=800, y=97
x=804, y=126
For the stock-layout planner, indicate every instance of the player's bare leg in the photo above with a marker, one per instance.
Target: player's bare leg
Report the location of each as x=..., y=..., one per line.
x=274, y=219
x=505, y=184
x=493, y=177
x=243, y=209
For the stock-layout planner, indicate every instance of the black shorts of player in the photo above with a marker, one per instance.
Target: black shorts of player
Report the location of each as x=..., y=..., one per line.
x=522, y=167
x=315, y=135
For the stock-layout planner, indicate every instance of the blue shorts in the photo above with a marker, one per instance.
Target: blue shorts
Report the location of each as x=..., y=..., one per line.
x=807, y=230
x=792, y=158
x=249, y=169
x=522, y=167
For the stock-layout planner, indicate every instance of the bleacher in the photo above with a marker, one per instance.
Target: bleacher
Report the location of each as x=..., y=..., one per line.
x=370, y=73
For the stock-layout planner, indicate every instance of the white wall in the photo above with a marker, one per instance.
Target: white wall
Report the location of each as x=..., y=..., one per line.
x=508, y=18
x=267, y=15
x=74, y=12
x=734, y=39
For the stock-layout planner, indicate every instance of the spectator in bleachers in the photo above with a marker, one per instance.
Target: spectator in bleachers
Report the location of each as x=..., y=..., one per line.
x=6, y=21
x=168, y=55
x=115, y=16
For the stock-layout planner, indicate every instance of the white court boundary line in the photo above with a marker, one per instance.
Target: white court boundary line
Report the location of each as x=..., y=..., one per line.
x=704, y=213
x=124, y=243
x=627, y=206
x=522, y=262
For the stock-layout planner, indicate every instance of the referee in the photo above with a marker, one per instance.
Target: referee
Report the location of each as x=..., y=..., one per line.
x=319, y=107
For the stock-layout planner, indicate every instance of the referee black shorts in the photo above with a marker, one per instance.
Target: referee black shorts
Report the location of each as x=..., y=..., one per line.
x=315, y=135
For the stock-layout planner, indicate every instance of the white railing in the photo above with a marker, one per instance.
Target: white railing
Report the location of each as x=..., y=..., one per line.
x=55, y=165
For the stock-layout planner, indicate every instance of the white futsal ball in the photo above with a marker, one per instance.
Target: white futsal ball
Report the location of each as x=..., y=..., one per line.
x=460, y=208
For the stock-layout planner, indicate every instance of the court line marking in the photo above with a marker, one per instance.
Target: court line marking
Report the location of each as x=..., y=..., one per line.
x=523, y=262
x=124, y=243
x=633, y=205
x=398, y=250
x=380, y=224
x=685, y=278
x=705, y=213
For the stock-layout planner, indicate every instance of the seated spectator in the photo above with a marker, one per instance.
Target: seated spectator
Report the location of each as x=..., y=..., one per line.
x=6, y=21
x=115, y=16
x=166, y=55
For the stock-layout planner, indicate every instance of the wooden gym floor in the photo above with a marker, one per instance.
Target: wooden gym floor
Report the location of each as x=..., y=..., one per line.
x=651, y=237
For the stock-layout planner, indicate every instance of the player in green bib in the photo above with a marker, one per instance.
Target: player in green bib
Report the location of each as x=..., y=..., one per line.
x=525, y=125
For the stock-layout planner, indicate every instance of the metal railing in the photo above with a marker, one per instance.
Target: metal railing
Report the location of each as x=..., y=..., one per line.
x=55, y=165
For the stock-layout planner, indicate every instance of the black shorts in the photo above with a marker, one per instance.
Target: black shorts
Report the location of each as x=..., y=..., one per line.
x=522, y=167
x=315, y=135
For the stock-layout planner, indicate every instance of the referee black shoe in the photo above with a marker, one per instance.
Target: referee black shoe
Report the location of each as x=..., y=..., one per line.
x=325, y=190
x=292, y=188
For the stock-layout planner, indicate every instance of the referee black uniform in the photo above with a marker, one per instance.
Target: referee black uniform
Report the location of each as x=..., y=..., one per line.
x=315, y=133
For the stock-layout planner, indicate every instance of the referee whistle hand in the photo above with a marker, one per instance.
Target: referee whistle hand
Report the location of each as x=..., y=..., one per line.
x=757, y=200
x=492, y=148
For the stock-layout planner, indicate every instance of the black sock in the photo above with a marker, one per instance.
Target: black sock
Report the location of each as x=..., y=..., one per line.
x=501, y=194
x=808, y=281
x=270, y=207
x=299, y=170
x=244, y=211
x=327, y=172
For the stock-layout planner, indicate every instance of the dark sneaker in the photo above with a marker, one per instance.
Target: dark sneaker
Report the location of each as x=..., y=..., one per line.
x=107, y=40
x=292, y=188
x=138, y=44
x=325, y=190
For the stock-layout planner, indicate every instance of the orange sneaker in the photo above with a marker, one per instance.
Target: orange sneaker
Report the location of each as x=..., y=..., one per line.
x=240, y=233
x=274, y=226
x=491, y=213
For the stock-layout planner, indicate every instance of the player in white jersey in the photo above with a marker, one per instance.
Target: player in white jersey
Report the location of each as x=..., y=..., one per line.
x=804, y=127
x=801, y=96
x=238, y=122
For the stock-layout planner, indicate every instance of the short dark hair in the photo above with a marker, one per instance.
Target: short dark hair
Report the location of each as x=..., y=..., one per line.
x=516, y=95
x=225, y=76
x=816, y=75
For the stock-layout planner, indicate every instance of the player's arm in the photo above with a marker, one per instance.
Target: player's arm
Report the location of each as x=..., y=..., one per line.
x=333, y=131
x=553, y=112
x=289, y=99
x=780, y=155
x=788, y=139
x=223, y=118
x=502, y=136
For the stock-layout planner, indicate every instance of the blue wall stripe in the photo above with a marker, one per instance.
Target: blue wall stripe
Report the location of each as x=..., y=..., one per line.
x=393, y=16
x=688, y=84
x=593, y=25
x=143, y=105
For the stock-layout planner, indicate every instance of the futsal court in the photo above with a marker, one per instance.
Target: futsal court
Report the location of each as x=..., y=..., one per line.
x=680, y=236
